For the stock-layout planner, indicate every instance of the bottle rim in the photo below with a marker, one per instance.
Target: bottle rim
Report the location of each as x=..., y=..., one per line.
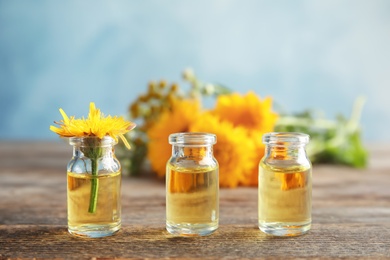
x=293, y=138
x=192, y=138
x=87, y=141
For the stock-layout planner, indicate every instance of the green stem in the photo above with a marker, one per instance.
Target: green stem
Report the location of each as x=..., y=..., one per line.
x=94, y=186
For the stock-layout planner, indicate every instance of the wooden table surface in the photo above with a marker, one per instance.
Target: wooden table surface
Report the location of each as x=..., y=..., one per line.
x=351, y=214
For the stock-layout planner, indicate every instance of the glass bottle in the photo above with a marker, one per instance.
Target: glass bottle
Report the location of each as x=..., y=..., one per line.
x=192, y=185
x=285, y=184
x=94, y=188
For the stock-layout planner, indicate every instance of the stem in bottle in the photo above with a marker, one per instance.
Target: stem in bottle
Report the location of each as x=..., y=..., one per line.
x=94, y=186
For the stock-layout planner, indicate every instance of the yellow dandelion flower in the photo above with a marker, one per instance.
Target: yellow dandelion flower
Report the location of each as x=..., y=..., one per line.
x=248, y=111
x=234, y=151
x=251, y=175
x=253, y=114
x=178, y=119
x=95, y=125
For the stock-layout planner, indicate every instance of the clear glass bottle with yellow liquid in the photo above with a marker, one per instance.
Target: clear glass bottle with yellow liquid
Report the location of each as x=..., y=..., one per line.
x=192, y=185
x=94, y=188
x=285, y=185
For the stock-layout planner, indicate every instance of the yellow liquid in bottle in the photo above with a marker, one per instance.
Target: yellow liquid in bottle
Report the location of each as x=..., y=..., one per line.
x=192, y=195
x=284, y=200
x=106, y=220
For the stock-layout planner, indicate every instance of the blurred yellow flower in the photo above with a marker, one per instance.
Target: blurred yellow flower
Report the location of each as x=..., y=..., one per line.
x=178, y=119
x=255, y=116
x=251, y=176
x=238, y=121
x=234, y=151
x=248, y=111
x=95, y=125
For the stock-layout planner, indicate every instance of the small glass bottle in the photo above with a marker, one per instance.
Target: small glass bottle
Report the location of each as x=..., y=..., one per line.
x=94, y=188
x=192, y=185
x=285, y=184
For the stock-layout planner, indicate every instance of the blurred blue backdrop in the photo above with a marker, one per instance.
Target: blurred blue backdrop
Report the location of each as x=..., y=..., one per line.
x=318, y=54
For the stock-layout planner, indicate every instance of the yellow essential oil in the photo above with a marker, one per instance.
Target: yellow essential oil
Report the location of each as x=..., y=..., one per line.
x=284, y=200
x=106, y=220
x=192, y=200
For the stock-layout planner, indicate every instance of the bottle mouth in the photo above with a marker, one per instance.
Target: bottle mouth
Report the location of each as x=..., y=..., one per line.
x=192, y=138
x=88, y=141
x=293, y=138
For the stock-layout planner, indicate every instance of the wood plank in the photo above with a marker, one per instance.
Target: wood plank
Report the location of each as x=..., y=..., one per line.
x=232, y=241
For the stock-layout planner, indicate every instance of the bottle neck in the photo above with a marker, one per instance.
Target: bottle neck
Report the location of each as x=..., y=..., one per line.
x=93, y=147
x=285, y=152
x=192, y=144
x=192, y=151
x=93, y=152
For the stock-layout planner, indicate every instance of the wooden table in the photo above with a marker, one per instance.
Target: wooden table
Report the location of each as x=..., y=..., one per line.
x=351, y=214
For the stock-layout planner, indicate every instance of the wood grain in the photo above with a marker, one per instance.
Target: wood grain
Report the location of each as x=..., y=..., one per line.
x=351, y=214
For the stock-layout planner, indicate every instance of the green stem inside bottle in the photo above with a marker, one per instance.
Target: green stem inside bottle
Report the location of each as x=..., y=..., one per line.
x=93, y=151
x=94, y=186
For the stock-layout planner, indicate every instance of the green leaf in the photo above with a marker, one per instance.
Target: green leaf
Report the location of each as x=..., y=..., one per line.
x=331, y=141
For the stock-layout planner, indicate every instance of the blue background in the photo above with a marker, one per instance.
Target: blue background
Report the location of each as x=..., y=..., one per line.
x=306, y=54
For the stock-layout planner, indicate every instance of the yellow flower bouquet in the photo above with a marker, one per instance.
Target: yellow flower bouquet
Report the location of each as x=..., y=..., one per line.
x=239, y=121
